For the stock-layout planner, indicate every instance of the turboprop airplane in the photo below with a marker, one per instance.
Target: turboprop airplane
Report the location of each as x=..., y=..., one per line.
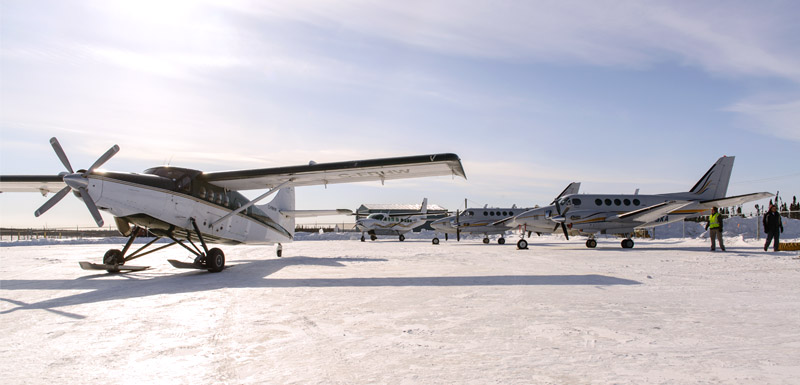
x=394, y=223
x=488, y=221
x=477, y=221
x=188, y=205
x=623, y=213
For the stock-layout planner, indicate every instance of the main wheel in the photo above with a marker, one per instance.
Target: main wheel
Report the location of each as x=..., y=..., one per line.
x=591, y=243
x=486, y=240
x=215, y=260
x=522, y=244
x=373, y=237
x=435, y=241
x=627, y=243
x=501, y=241
x=402, y=237
x=113, y=257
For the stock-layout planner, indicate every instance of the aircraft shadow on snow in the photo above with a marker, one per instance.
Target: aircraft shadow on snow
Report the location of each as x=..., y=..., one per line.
x=255, y=274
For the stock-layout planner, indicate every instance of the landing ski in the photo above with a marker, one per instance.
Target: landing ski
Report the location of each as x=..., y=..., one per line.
x=185, y=265
x=100, y=266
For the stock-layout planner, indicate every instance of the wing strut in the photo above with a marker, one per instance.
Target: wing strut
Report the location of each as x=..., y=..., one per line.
x=252, y=202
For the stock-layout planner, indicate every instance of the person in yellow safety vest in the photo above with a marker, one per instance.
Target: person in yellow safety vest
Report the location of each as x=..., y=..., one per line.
x=715, y=224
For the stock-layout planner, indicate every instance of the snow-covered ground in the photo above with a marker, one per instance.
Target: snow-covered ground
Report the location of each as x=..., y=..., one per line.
x=343, y=311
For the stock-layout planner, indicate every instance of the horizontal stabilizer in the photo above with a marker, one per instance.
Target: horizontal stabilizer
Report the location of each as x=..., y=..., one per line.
x=736, y=200
x=315, y=213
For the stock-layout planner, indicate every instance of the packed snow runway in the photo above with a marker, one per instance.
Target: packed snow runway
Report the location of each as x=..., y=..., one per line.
x=343, y=311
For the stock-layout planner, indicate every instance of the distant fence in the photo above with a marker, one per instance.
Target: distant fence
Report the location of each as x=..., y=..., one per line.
x=12, y=234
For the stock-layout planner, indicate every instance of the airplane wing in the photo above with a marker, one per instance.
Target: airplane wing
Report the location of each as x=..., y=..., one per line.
x=736, y=200
x=315, y=213
x=31, y=183
x=339, y=172
x=651, y=213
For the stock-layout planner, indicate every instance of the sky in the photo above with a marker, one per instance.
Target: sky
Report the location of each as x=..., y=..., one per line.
x=533, y=95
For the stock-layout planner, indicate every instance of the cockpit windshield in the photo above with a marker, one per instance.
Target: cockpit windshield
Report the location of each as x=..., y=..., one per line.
x=377, y=216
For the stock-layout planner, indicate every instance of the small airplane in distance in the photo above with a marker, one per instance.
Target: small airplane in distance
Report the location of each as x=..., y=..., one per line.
x=591, y=214
x=477, y=221
x=488, y=221
x=392, y=223
x=188, y=205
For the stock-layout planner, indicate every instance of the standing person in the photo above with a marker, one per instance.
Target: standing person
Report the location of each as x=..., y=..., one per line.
x=715, y=224
x=773, y=226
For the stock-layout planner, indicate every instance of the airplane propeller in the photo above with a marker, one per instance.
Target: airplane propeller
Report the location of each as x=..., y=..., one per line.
x=560, y=219
x=458, y=227
x=76, y=182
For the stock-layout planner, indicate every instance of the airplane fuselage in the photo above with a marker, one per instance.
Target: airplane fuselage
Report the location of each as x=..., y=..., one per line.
x=478, y=221
x=600, y=213
x=164, y=199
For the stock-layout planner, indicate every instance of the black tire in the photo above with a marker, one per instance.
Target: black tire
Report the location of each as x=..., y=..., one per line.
x=435, y=241
x=402, y=237
x=591, y=243
x=627, y=243
x=372, y=237
x=215, y=260
x=113, y=257
x=501, y=241
x=486, y=240
x=522, y=244
x=363, y=239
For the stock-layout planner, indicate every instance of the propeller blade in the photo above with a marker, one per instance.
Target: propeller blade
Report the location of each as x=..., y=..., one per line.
x=61, y=154
x=564, y=227
x=556, y=227
x=52, y=201
x=92, y=207
x=458, y=235
x=104, y=158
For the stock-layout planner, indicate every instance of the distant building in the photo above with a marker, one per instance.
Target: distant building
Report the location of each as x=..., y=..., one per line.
x=434, y=211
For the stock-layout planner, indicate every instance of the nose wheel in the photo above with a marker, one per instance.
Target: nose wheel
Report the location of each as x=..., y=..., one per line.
x=591, y=243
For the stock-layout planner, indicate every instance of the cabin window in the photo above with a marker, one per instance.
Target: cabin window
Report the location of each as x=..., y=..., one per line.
x=636, y=202
x=617, y=202
x=485, y=213
x=471, y=213
x=627, y=202
x=608, y=202
x=576, y=202
x=226, y=200
x=202, y=192
x=491, y=213
x=598, y=202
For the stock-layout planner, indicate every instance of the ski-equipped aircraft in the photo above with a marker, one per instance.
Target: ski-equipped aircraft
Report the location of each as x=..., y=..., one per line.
x=189, y=206
x=488, y=221
x=393, y=223
x=591, y=214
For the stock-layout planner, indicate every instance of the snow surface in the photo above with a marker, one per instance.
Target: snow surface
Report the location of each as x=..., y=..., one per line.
x=343, y=311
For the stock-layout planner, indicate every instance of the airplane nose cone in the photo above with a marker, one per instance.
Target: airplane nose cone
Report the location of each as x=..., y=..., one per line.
x=76, y=181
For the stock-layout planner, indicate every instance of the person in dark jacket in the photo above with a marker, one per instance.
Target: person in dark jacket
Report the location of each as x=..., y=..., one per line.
x=715, y=224
x=773, y=226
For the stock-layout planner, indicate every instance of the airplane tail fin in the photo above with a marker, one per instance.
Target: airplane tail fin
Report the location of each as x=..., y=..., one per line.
x=424, y=208
x=284, y=201
x=714, y=183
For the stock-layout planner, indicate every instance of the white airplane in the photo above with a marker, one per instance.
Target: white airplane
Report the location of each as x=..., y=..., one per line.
x=187, y=205
x=477, y=221
x=488, y=221
x=622, y=214
x=394, y=223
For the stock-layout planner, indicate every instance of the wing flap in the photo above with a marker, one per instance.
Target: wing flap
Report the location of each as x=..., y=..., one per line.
x=32, y=183
x=340, y=172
